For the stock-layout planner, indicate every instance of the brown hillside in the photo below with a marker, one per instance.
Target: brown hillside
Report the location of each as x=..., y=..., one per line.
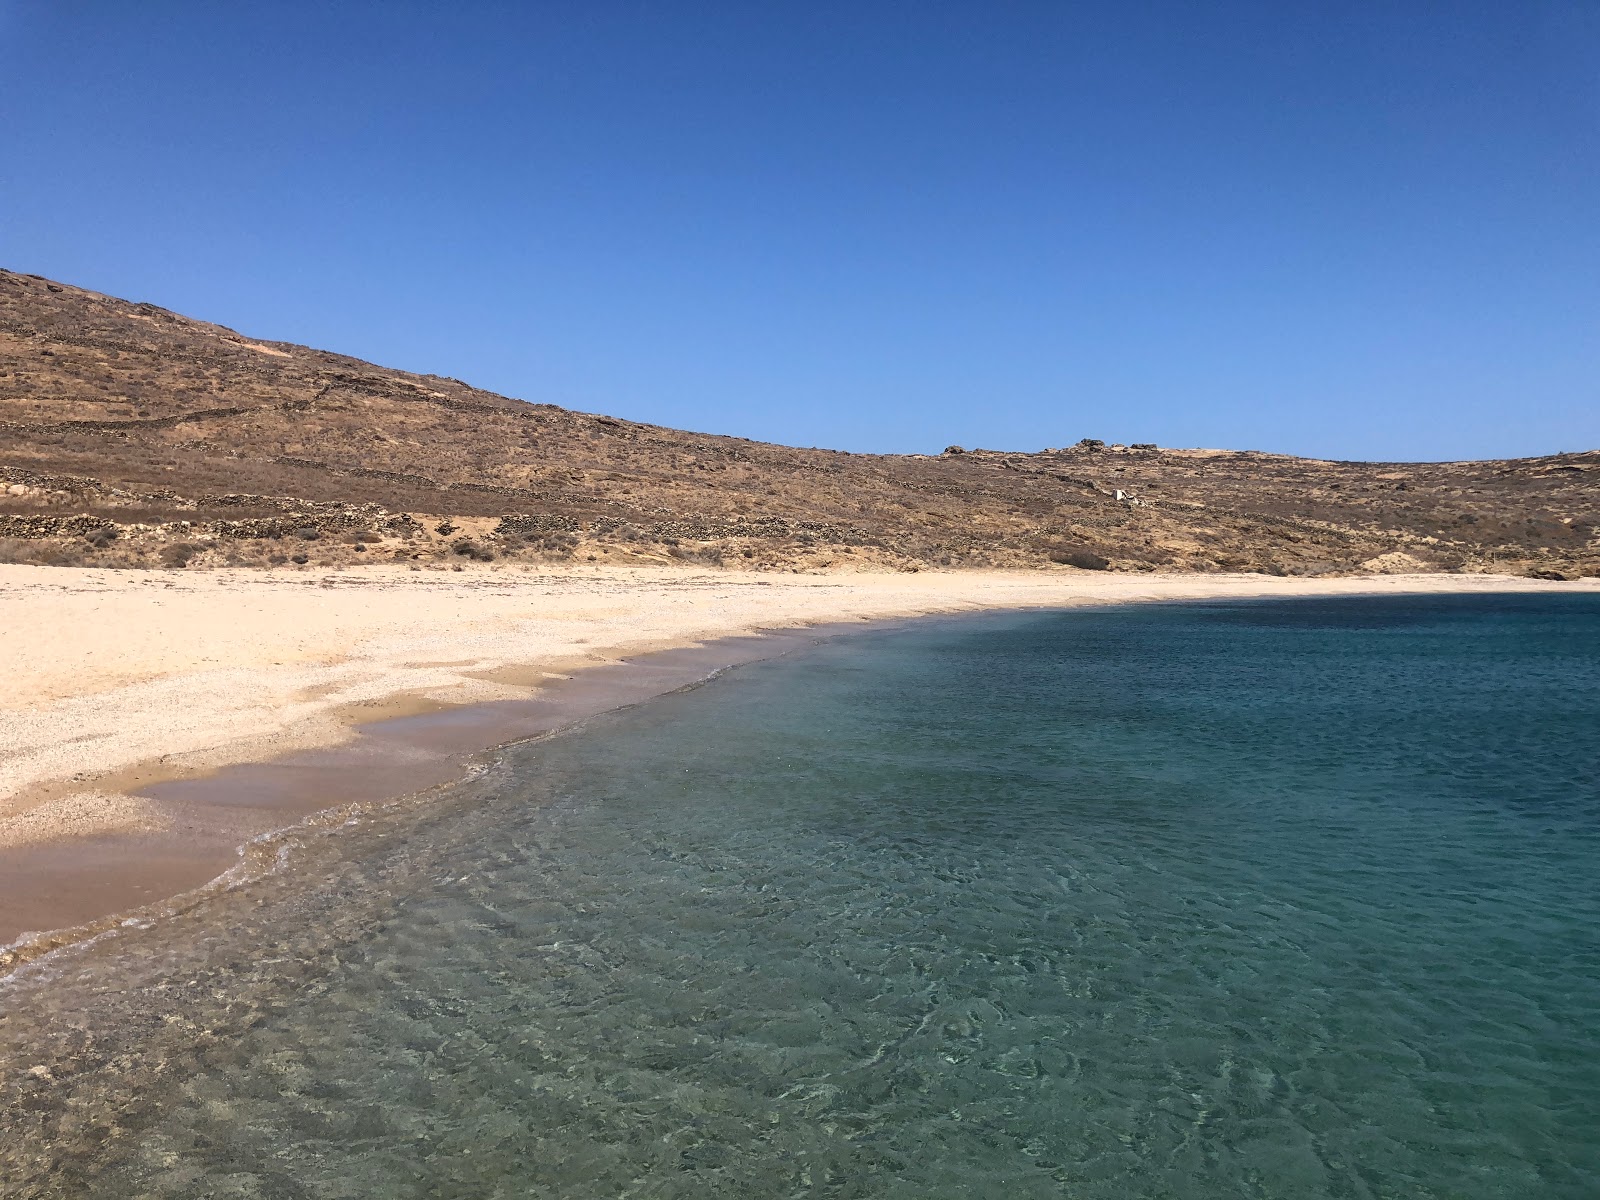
x=130, y=435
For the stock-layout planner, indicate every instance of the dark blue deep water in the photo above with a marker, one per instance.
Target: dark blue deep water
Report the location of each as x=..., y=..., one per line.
x=1267, y=899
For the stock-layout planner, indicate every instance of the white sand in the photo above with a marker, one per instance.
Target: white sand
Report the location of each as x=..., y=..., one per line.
x=112, y=671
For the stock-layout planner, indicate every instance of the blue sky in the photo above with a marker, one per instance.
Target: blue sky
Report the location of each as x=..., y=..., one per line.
x=1360, y=229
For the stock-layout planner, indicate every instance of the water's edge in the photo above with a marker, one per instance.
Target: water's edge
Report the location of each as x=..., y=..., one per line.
x=233, y=824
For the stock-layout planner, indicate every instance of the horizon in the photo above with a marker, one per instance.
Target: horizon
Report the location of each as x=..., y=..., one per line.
x=1362, y=238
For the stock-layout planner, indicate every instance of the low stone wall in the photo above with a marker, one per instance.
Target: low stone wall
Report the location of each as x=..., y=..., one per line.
x=33, y=526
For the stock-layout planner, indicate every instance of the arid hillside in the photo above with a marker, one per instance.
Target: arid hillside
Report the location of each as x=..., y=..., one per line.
x=130, y=435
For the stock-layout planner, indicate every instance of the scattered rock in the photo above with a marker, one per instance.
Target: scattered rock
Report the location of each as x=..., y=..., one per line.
x=530, y=525
x=1396, y=562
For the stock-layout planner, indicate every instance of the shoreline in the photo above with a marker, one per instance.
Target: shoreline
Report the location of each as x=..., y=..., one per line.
x=158, y=724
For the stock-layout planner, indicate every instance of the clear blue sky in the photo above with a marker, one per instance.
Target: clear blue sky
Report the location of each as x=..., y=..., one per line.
x=1364, y=229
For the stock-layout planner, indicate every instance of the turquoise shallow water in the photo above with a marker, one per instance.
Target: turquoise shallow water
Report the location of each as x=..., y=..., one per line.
x=1287, y=899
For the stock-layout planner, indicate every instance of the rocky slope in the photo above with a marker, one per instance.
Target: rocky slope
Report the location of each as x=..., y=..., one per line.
x=130, y=435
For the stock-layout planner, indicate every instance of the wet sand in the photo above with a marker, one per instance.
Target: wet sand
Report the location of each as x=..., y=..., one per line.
x=199, y=822
x=139, y=752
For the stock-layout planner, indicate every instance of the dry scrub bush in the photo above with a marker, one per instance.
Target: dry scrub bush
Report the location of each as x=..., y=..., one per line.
x=178, y=554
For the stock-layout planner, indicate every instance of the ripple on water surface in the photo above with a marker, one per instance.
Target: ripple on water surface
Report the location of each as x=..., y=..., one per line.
x=1256, y=899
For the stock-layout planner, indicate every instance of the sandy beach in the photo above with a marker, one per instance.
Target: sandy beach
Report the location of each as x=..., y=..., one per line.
x=130, y=693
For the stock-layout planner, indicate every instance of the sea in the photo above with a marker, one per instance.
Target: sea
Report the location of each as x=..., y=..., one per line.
x=1281, y=898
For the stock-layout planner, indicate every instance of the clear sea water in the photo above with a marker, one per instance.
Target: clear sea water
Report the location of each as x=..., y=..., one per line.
x=1265, y=899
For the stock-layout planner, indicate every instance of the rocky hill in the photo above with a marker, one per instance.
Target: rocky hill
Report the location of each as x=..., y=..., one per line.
x=130, y=435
